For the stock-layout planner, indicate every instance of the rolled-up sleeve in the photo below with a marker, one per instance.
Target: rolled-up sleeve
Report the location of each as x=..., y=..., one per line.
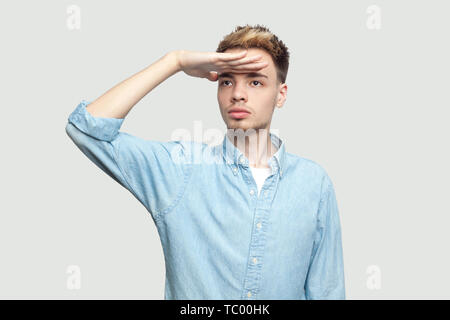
x=325, y=278
x=155, y=172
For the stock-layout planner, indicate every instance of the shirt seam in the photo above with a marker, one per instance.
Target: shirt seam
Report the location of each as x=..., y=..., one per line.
x=127, y=178
x=158, y=213
x=123, y=172
x=187, y=175
x=323, y=196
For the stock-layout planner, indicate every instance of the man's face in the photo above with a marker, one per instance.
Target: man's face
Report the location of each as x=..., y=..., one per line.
x=257, y=94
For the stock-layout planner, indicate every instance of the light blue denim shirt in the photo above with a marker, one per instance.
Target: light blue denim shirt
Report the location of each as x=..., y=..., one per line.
x=221, y=240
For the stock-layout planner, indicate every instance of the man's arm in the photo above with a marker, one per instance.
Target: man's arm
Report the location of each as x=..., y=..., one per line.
x=144, y=167
x=118, y=101
x=325, y=279
x=155, y=172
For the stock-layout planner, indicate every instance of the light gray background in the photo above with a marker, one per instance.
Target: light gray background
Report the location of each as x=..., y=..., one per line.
x=370, y=106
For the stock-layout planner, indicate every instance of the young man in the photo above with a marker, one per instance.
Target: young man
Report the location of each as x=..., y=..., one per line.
x=257, y=222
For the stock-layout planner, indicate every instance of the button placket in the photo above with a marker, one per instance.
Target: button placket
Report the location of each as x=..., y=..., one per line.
x=256, y=254
x=261, y=203
x=258, y=237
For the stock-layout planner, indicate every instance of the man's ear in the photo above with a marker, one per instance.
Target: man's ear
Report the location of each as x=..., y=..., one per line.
x=282, y=95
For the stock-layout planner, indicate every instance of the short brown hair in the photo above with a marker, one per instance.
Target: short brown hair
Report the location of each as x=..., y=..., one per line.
x=259, y=36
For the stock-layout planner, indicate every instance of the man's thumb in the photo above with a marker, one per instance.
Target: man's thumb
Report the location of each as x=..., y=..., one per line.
x=212, y=76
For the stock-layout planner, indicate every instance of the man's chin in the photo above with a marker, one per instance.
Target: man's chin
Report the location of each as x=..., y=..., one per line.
x=239, y=125
x=235, y=124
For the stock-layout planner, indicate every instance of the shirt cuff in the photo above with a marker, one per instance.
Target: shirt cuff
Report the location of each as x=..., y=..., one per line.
x=100, y=128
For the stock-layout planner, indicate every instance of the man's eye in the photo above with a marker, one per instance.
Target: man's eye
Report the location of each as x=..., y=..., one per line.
x=252, y=81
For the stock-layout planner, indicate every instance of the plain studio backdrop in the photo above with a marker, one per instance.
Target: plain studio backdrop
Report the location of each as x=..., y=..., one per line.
x=368, y=99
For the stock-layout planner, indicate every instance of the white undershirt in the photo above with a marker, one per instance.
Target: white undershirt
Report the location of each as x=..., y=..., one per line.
x=260, y=175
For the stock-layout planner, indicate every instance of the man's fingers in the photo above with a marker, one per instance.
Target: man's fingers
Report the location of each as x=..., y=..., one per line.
x=228, y=56
x=245, y=60
x=257, y=65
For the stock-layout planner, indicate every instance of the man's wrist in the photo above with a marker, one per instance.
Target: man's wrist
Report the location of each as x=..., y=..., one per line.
x=174, y=58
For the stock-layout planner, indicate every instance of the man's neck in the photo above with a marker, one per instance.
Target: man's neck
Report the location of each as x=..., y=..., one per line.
x=258, y=147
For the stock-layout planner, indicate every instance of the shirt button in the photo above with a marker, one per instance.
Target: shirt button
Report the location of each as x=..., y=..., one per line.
x=252, y=191
x=255, y=260
x=242, y=160
x=259, y=225
x=234, y=169
x=249, y=294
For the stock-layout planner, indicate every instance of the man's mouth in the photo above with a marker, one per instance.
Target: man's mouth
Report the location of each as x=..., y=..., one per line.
x=239, y=114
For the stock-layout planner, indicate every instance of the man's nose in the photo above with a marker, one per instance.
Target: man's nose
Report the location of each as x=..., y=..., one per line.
x=239, y=93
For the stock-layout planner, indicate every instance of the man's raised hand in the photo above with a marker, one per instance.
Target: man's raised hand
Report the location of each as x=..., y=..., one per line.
x=208, y=64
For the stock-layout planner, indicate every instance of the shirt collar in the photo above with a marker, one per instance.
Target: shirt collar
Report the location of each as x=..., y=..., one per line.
x=233, y=156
